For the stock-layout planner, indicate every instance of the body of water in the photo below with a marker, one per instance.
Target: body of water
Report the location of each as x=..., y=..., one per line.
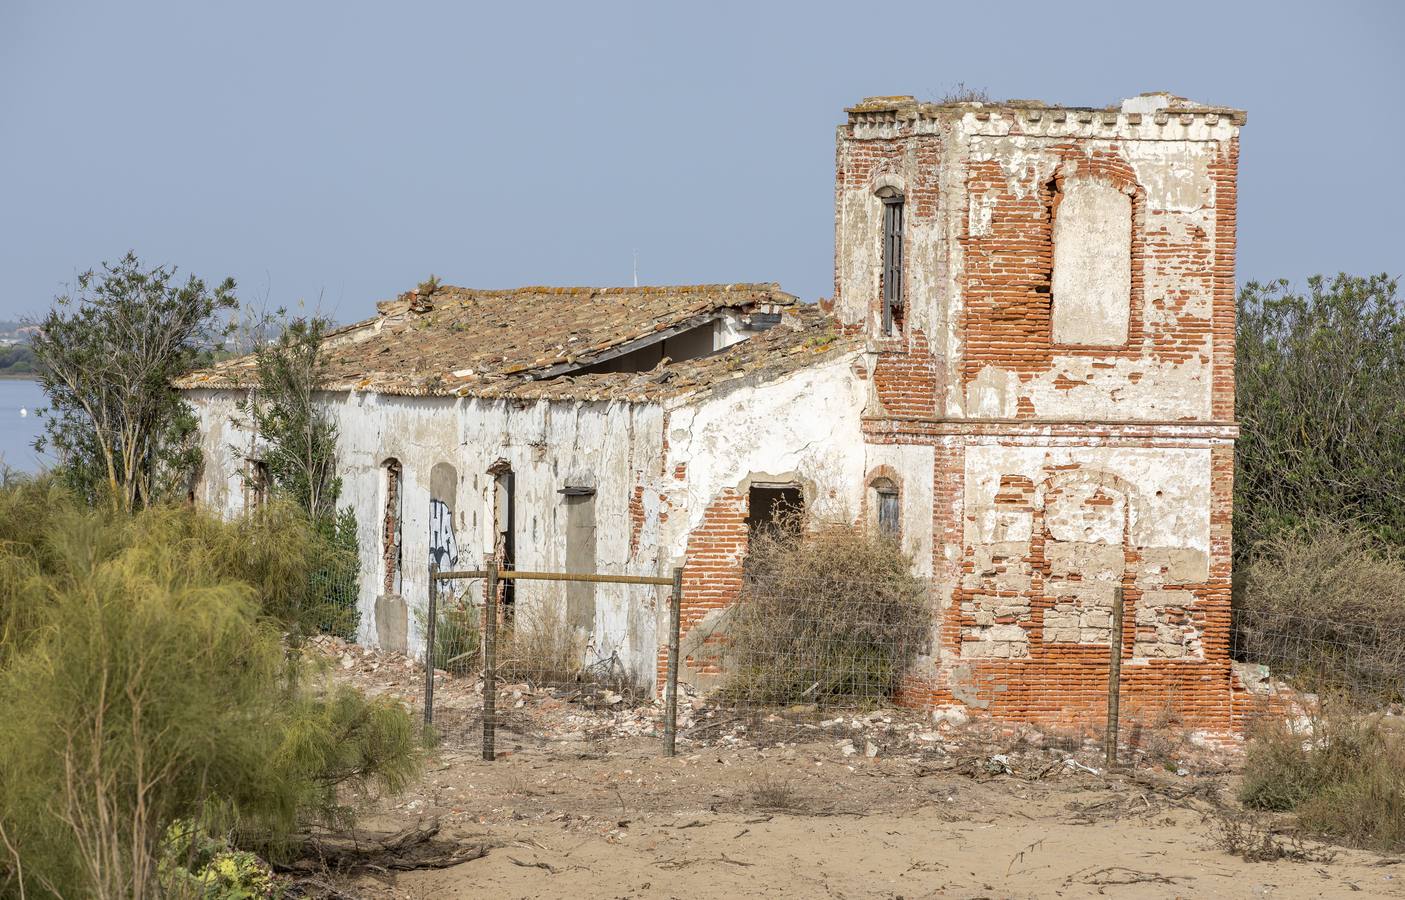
x=17, y=431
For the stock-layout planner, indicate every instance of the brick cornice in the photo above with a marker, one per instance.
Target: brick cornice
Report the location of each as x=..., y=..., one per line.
x=894, y=426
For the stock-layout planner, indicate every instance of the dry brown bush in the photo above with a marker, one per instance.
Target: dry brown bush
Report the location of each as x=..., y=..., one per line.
x=1256, y=838
x=828, y=614
x=540, y=647
x=1323, y=605
x=1344, y=775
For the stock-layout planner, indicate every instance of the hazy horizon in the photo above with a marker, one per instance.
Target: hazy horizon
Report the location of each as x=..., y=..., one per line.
x=338, y=154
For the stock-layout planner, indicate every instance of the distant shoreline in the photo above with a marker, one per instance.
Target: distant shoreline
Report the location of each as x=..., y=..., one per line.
x=7, y=376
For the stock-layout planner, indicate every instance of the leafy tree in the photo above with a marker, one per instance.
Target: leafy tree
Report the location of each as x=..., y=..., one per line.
x=298, y=446
x=108, y=354
x=147, y=687
x=1321, y=403
x=300, y=439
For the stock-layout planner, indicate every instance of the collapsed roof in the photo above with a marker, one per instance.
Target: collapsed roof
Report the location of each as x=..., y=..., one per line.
x=639, y=343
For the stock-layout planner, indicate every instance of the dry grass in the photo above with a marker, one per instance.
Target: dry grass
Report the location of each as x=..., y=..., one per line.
x=963, y=93
x=1323, y=607
x=1345, y=777
x=828, y=615
x=541, y=648
x=768, y=792
x=1256, y=838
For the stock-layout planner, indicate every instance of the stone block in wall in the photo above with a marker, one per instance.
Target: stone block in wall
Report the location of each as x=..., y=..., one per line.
x=1173, y=565
x=1082, y=612
x=1084, y=559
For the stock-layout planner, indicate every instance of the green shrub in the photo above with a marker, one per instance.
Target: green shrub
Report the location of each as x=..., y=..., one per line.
x=195, y=865
x=826, y=615
x=146, y=687
x=1319, y=394
x=458, y=637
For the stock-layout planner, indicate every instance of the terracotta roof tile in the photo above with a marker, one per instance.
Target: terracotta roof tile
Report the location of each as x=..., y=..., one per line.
x=464, y=342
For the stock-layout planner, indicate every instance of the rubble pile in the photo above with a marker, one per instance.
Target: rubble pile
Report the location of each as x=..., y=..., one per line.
x=559, y=716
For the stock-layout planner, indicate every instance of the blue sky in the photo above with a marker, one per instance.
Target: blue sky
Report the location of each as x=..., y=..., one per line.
x=341, y=152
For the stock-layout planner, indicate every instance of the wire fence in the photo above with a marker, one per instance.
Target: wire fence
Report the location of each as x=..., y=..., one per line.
x=793, y=643
x=1362, y=661
x=827, y=642
x=333, y=592
x=536, y=644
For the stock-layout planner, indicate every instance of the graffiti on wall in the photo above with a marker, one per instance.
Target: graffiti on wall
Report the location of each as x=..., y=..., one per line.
x=443, y=551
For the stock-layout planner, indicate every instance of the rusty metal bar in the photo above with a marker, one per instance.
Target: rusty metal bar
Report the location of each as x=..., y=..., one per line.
x=670, y=710
x=490, y=663
x=429, y=645
x=559, y=576
x=1114, y=678
x=449, y=576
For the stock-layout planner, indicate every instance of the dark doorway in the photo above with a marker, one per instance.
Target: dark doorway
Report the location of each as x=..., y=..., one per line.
x=505, y=516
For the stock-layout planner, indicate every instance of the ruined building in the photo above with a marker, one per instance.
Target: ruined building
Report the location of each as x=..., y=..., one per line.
x=1026, y=373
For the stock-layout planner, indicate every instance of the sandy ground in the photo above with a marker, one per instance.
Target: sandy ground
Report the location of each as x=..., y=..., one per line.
x=581, y=804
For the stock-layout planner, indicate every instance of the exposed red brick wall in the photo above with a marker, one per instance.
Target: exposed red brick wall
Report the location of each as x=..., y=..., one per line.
x=907, y=378
x=1006, y=279
x=1225, y=172
x=712, y=572
x=636, y=518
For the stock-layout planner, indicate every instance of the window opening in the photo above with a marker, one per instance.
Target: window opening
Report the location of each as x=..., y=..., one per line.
x=391, y=544
x=774, y=506
x=504, y=543
x=892, y=263
x=256, y=484
x=886, y=501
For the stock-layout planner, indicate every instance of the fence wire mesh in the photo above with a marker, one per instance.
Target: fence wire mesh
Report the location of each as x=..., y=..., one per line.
x=1361, y=661
x=841, y=643
x=542, y=661
x=334, y=591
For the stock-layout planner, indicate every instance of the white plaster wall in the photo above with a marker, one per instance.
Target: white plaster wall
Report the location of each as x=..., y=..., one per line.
x=612, y=446
x=1092, y=282
x=915, y=466
x=1171, y=506
x=804, y=425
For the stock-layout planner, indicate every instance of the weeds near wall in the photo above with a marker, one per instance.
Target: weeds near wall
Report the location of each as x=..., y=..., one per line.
x=458, y=637
x=1322, y=607
x=1344, y=775
x=827, y=615
x=540, y=647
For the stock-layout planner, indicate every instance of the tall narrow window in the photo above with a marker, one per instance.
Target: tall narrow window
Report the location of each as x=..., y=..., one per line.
x=885, y=496
x=580, y=555
x=256, y=484
x=504, y=517
x=391, y=554
x=892, y=261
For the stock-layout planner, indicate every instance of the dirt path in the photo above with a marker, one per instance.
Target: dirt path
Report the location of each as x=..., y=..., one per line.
x=811, y=821
x=885, y=804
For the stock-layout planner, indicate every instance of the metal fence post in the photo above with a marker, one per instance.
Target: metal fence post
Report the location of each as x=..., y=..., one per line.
x=1114, y=678
x=490, y=661
x=670, y=712
x=432, y=619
